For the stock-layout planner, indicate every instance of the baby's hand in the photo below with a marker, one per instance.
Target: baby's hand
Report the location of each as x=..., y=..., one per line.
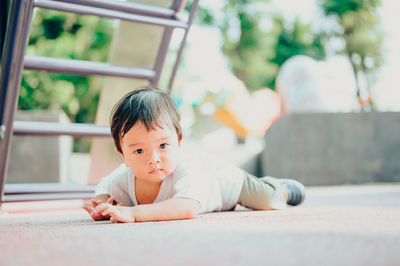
x=95, y=213
x=117, y=213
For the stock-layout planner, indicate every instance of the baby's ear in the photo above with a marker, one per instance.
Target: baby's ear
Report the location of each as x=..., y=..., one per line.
x=120, y=153
x=180, y=140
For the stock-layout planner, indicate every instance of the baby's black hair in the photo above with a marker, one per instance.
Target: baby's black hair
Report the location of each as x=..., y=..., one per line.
x=153, y=107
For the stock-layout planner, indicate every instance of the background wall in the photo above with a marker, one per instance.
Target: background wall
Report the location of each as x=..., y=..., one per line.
x=330, y=149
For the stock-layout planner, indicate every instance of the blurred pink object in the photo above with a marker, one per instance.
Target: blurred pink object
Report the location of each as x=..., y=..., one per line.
x=250, y=114
x=264, y=108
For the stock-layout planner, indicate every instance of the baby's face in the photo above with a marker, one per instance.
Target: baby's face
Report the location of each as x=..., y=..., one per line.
x=152, y=155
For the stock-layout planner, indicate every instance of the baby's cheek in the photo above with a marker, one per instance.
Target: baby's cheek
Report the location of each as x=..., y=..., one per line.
x=172, y=165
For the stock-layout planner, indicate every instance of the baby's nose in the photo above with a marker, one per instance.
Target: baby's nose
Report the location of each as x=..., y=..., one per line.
x=154, y=162
x=155, y=159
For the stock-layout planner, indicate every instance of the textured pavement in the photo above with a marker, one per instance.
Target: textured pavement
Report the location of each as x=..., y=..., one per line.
x=338, y=225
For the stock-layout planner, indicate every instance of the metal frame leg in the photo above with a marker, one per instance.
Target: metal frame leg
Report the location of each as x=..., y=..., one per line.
x=161, y=56
x=4, y=7
x=16, y=38
x=182, y=46
x=164, y=46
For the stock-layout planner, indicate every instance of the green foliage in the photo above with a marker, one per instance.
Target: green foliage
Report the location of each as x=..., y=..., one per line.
x=258, y=53
x=249, y=54
x=298, y=39
x=62, y=35
x=362, y=35
x=341, y=7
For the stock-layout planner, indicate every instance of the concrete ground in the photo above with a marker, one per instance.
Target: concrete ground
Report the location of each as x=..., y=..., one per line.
x=338, y=225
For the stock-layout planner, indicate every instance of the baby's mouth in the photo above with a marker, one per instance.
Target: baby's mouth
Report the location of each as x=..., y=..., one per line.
x=155, y=171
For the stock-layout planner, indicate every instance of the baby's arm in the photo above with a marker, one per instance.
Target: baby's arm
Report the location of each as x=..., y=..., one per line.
x=114, y=184
x=171, y=209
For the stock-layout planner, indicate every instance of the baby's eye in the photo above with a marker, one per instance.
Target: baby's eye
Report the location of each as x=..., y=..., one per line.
x=138, y=151
x=163, y=146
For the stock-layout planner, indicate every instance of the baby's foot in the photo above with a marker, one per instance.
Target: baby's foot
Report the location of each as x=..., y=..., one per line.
x=296, y=192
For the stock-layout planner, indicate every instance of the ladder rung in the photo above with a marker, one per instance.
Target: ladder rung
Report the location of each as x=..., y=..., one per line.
x=128, y=7
x=100, y=12
x=80, y=67
x=29, y=188
x=23, y=128
x=46, y=196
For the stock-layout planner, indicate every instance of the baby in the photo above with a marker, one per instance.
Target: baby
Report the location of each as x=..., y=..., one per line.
x=160, y=182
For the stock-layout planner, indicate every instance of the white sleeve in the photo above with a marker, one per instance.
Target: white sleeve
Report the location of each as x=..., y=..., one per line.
x=117, y=185
x=198, y=185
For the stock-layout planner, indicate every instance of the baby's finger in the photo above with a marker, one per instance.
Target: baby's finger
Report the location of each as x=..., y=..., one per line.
x=120, y=204
x=102, y=207
x=89, y=210
x=108, y=211
x=113, y=220
x=95, y=215
x=94, y=204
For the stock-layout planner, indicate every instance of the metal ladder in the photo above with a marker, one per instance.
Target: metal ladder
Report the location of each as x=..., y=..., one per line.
x=14, y=61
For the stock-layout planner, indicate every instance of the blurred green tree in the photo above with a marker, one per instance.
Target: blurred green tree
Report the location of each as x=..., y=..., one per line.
x=296, y=39
x=64, y=35
x=359, y=29
x=257, y=42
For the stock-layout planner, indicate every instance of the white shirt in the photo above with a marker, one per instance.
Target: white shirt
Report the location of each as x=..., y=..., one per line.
x=213, y=182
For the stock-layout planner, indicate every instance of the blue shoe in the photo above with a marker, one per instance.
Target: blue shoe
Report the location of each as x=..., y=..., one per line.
x=296, y=192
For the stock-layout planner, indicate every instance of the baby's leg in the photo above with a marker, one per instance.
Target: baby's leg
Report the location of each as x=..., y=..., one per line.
x=266, y=193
